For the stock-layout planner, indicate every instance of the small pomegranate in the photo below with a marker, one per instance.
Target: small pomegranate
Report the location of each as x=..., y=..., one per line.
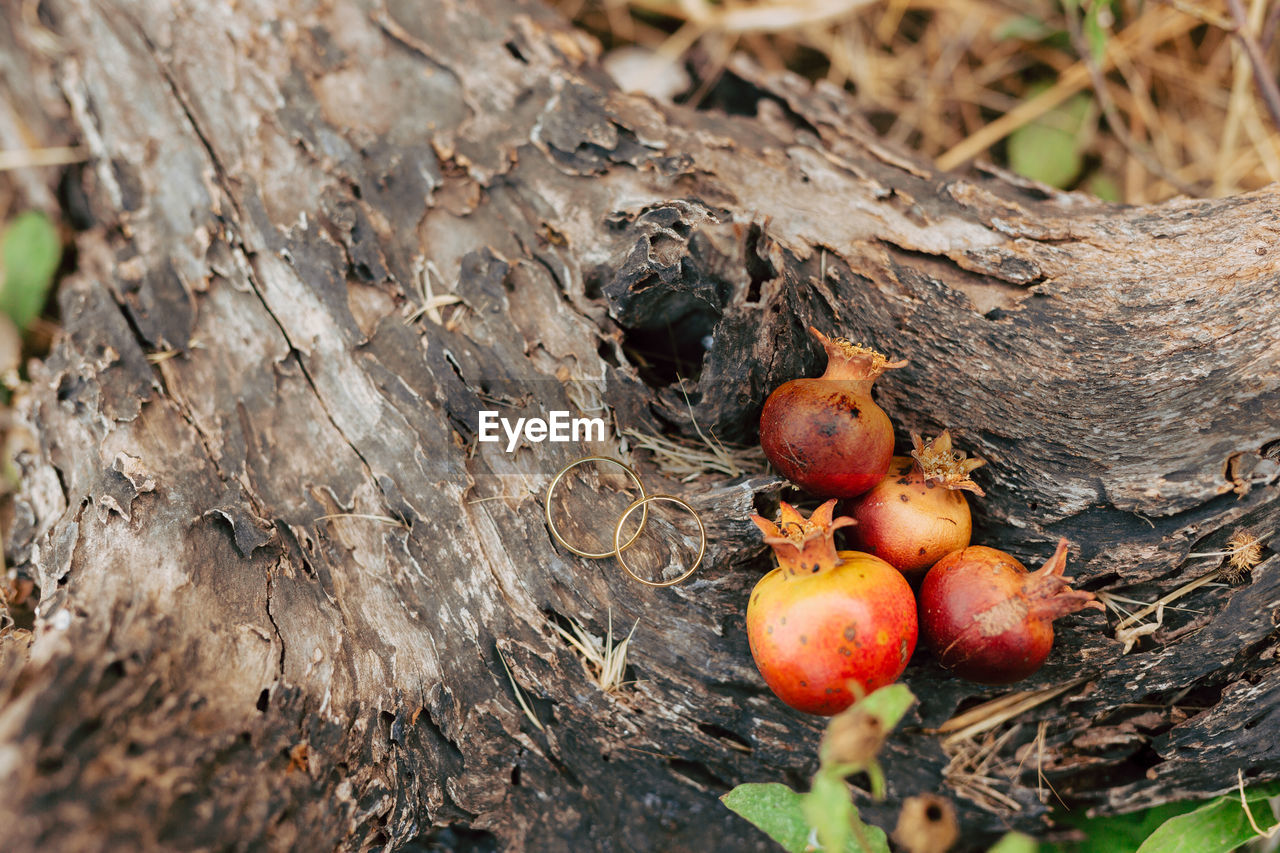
x=827, y=435
x=990, y=620
x=824, y=617
x=918, y=513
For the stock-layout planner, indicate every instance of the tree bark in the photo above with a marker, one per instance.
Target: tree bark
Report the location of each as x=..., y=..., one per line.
x=279, y=578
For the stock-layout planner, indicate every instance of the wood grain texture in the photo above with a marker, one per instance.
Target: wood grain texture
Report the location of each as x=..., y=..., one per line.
x=279, y=576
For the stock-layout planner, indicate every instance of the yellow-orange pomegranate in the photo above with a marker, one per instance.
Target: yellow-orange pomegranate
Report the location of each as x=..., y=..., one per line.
x=825, y=618
x=917, y=514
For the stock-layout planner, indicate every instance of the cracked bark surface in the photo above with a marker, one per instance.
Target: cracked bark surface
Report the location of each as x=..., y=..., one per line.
x=276, y=570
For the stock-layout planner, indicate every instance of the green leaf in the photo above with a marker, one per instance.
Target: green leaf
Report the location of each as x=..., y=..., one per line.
x=1094, y=31
x=1022, y=28
x=1015, y=842
x=890, y=704
x=1051, y=149
x=829, y=809
x=1218, y=826
x=775, y=809
x=29, y=256
x=1119, y=833
x=1104, y=187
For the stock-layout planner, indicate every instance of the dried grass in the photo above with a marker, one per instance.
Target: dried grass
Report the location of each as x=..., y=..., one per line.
x=1183, y=89
x=604, y=661
x=979, y=768
x=686, y=461
x=1243, y=553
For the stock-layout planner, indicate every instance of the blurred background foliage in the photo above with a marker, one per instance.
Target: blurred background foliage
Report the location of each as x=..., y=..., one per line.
x=1131, y=100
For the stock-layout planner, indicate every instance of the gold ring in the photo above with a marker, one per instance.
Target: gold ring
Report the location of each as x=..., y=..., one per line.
x=552, y=525
x=643, y=502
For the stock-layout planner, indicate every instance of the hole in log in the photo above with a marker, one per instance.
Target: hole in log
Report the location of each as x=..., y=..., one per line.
x=607, y=353
x=759, y=268
x=458, y=838
x=514, y=50
x=734, y=739
x=737, y=689
x=697, y=773
x=671, y=351
x=111, y=675
x=264, y=699
x=736, y=96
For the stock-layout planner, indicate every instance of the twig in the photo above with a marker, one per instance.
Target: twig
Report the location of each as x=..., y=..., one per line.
x=608, y=661
x=383, y=518
x=1269, y=28
x=991, y=714
x=431, y=304
x=1171, y=597
x=22, y=158
x=1266, y=84
x=1070, y=81
x=1244, y=803
x=524, y=706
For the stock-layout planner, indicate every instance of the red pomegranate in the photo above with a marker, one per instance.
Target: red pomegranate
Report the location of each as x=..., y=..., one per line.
x=990, y=620
x=827, y=435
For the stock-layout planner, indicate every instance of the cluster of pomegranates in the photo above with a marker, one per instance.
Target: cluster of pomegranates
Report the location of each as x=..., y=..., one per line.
x=826, y=618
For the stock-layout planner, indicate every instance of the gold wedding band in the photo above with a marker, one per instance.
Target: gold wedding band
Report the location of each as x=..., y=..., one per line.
x=643, y=503
x=617, y=549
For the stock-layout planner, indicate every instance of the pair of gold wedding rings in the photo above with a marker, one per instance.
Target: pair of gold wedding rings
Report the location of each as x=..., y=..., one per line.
x=642, y=504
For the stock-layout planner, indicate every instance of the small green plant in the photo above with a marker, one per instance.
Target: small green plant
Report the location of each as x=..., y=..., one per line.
x=1051, y=149
x=825, y=817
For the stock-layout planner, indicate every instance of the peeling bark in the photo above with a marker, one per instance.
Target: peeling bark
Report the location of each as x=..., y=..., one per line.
x=279, y=577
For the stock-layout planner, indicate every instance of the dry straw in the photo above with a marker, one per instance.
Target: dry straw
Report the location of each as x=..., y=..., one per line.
x=1183, y=92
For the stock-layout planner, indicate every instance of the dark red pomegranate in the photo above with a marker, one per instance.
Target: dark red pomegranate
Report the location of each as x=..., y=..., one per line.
x=827, y=435
x=990, y=620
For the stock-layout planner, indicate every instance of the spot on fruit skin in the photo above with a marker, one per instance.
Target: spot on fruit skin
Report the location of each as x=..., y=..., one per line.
x=851, y=632
x=902, y=497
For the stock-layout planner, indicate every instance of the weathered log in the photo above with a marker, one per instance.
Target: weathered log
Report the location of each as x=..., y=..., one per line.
x=279, y=577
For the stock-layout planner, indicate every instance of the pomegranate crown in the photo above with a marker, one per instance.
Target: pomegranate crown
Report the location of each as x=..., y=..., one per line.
x=943, y=465
x=804, y=544
x=1050, y=590
x=847, y=360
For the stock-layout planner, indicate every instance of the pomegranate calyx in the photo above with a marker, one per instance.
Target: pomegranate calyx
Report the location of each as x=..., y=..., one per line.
x=803, y=545
x=943, y=465
x=1049, y=590
x=855, y=362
